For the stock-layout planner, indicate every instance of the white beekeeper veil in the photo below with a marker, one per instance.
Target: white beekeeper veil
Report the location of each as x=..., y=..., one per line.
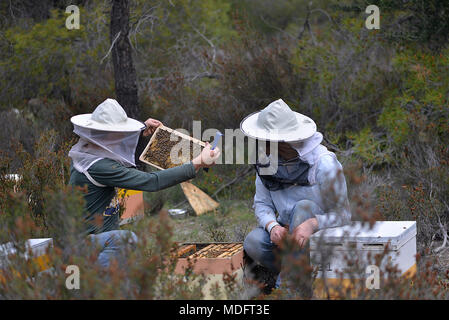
x=105, y=133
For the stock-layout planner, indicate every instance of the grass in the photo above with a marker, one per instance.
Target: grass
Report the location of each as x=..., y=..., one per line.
x=230, y=224
x=232, y=221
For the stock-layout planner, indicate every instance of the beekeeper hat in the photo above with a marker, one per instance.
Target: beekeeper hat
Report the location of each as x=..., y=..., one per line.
x=108, y=116
x=277, y=122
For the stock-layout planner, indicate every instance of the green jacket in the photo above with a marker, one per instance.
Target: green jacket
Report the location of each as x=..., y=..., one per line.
x=102, y=212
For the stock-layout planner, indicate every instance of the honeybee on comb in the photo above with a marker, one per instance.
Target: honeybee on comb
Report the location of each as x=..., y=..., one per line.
x=160, y=147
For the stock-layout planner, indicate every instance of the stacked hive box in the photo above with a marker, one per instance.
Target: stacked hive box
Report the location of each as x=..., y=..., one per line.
x=213, y=260
x=36, y=253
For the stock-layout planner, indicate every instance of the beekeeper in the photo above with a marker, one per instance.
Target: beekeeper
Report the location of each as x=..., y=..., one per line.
x=103, y=160
x=306, y=193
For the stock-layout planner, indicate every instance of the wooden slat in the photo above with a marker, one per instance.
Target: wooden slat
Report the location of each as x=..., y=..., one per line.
x=198, y=199
x=196, y=254
x=234, y=250
x=230, y=250
x=186, y=249
x=208, y=251
x=217, y=250
x=223, y=254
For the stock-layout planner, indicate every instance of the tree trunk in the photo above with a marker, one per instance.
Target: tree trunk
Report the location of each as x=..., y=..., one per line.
x=124, y=71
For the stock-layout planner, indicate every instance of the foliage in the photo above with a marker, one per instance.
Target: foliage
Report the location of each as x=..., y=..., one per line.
x=371, y=149
x=379, y=96
x=417, y=21
x=38, y=61
x=45, y=172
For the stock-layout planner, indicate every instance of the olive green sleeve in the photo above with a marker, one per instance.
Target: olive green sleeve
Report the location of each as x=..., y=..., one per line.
x=111, y=173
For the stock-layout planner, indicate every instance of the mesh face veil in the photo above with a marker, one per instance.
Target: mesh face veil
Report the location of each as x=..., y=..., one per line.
x=305, y=147
x=95, y=145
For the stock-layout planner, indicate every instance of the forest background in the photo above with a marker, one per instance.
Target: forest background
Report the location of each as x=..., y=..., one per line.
x=380, y=98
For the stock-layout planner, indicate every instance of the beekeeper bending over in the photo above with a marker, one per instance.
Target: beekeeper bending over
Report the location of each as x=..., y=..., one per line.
x=308, y=191
x=103, y=159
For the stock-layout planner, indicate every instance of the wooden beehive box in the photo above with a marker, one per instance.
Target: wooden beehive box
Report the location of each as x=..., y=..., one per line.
x=158, y=149
x=210, y=258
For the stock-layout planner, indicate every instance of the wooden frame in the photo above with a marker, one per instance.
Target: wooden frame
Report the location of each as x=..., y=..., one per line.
x=180, y=134
x=228, y=262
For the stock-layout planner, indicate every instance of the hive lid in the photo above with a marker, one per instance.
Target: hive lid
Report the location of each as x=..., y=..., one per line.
x=394, y=232
x=37, y=246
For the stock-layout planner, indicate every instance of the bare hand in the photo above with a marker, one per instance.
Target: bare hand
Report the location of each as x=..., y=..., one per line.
x=207, y=157
x=277, y=234
x=152, y=125
x=302, y=233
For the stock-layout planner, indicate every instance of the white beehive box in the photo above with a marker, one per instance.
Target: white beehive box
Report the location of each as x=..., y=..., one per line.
x=38, y=249
x=357, y=242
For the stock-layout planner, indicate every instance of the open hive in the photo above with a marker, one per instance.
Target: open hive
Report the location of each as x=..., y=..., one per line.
x=214, y=261
x=158, y=152
x=210, y=258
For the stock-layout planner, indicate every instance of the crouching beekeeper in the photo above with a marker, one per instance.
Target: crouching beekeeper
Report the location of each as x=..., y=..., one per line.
x=305, y=192
x=103, y=160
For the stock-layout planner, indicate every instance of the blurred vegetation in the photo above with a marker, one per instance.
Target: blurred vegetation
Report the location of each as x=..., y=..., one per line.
x=380, y=97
